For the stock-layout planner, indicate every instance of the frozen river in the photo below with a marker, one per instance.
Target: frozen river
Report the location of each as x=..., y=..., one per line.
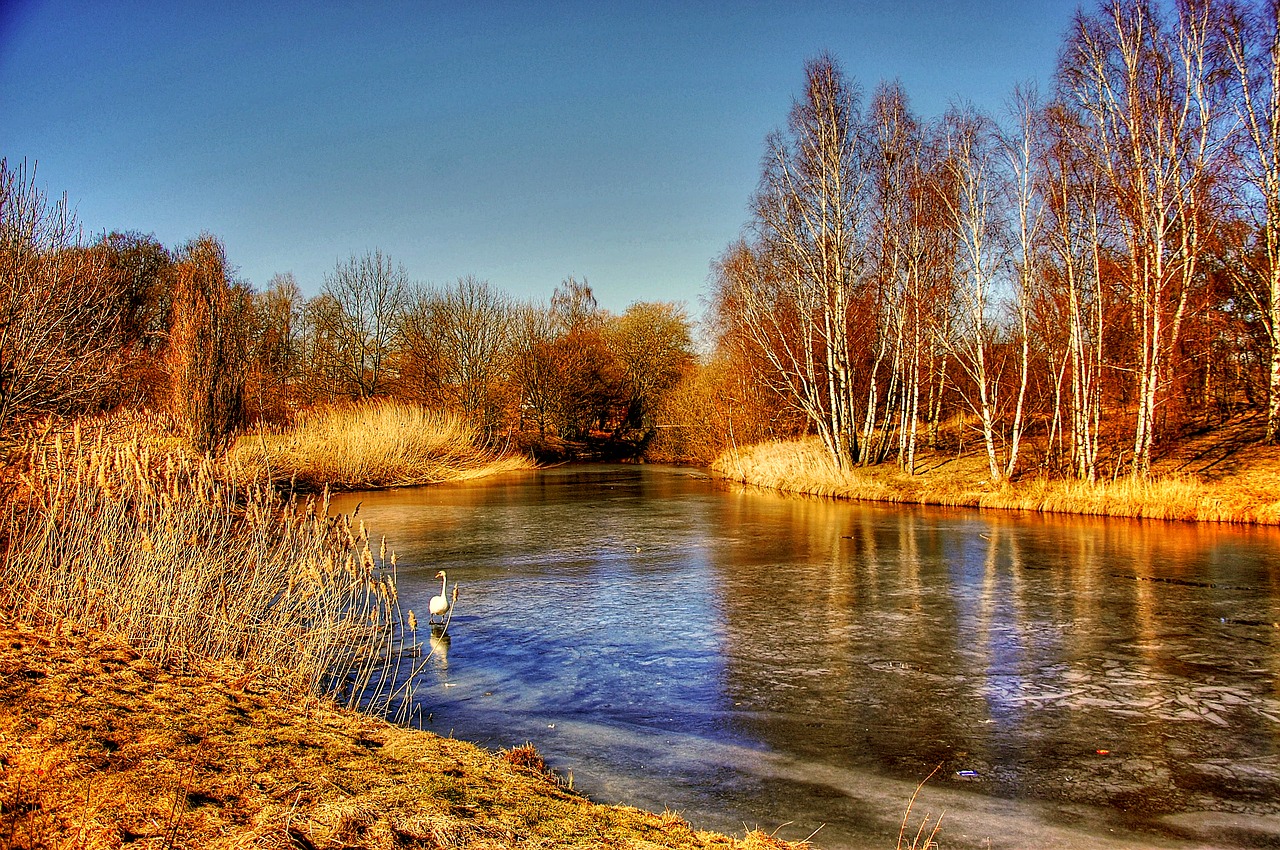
x=745, y=658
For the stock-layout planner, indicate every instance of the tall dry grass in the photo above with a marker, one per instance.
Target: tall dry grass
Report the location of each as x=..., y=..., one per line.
x=1176, y=497
x=184, y=567
x=369, y=445
x=803, y=466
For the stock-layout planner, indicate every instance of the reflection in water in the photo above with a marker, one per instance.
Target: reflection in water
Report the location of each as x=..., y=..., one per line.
x=438, y=641
x=743, y=656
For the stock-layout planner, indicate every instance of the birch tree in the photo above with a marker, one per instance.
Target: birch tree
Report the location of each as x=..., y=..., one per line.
x=1075, y=208
x=807, y=264
x=1251, y=38
x=1021, y=148
x=971, y=205
x=1143, y=85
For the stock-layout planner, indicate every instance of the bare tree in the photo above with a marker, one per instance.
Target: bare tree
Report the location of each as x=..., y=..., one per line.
x=369, y=295
x=459, y=340
x=574, y=306
x=1251, y=37
x=59, y=315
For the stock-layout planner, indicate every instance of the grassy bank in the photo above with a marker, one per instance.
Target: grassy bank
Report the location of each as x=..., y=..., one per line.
x=1194, y=485
x=103, y=748
x=369, y=445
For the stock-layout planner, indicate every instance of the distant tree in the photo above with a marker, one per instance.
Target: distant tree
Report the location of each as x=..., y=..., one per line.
x=137, y=263
x=593, y=394
x=574, y=306
x=136, y=269
x=208, y=346
x=590, y=390
x=277, y=346
x=653, y=344
x=535, y=368
x=366, y=299
x=457, y=342
x=325, y=375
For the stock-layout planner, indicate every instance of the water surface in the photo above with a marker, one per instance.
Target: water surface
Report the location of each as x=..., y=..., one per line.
x=750, y=659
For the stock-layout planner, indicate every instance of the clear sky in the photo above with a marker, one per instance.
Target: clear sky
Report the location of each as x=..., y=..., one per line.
x=520, y=142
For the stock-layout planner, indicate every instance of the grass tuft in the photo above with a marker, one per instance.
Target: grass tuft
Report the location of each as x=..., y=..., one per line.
x=369, y=445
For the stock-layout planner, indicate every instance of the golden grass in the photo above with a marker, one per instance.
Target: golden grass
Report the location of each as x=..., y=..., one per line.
x=369, y=445
x=803, y=466
x=182, y=567
x=102, y=748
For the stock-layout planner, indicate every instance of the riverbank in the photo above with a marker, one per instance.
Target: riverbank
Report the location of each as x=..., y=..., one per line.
x=174, y=635
x=102, y=748
x=1218, y=477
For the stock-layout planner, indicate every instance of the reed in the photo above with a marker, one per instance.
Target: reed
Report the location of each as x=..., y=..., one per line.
x=367, y=445
x=161, y=553
x=803, y=466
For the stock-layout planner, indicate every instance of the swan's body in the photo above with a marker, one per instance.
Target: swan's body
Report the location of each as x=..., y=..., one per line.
x=439, y=605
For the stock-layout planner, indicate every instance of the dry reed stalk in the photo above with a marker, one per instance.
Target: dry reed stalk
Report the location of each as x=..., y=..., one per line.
x=161, y=553
x=927, y=823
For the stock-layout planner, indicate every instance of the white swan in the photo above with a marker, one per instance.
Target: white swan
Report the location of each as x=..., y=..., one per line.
x=439, y=605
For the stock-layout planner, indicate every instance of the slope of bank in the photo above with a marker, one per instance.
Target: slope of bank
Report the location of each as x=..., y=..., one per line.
x=101, y=748
x=1220, y=477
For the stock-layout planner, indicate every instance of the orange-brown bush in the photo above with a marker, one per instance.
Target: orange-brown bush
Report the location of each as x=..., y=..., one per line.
x=208, y=346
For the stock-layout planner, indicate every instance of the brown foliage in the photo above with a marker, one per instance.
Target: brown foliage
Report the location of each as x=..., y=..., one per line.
x=59, y=311
x=208, y=346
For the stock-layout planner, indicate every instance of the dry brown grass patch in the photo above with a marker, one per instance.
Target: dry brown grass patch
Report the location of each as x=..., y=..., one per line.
x=369, y=445
x=101, y=748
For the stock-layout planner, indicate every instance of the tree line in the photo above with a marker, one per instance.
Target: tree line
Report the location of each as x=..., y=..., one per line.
x=1066, y=285
x=125, y=321
x=1099, y=268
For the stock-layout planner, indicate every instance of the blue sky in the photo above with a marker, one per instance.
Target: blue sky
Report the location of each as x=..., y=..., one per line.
x=520, y=142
